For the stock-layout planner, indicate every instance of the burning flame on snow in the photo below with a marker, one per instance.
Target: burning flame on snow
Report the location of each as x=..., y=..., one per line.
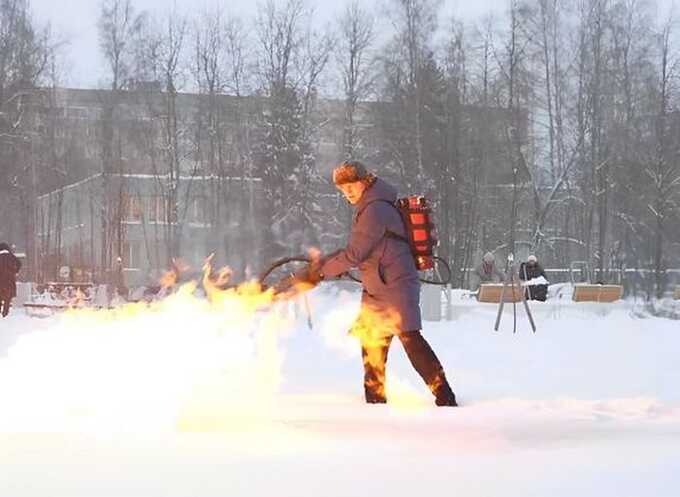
x=183, y=362
x=371, y=328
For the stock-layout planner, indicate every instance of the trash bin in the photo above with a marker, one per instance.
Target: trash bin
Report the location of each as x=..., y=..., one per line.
x=24, y=290
x=431, y=302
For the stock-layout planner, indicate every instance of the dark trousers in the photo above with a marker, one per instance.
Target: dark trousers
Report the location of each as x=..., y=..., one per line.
x=537, y=292
x=423, y=359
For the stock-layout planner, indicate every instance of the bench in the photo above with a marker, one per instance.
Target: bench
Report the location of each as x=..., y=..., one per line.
x=491, y=293
x=586, y=292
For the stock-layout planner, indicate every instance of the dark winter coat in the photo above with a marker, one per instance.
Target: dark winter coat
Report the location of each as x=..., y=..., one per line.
x=388, y=271
x=9, y=267
x=529, y=272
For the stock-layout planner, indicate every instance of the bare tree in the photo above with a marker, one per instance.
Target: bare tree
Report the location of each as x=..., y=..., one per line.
x=553, y=126
x=457, y=206
x=221, y=63
x=26, y=50
x=165, y=47
x=512, y=61
x=356, y=28
x=664, y=170
x=291, y=58
x=119, y=27
x=599, y=162
x=414, y=22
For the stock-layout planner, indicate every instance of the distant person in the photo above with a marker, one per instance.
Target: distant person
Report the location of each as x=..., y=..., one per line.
x=532, y=270
x=486, y=272
x=9, y=267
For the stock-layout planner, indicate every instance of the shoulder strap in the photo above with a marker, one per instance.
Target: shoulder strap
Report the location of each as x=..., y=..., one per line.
x=389, y=233
x=359, y=213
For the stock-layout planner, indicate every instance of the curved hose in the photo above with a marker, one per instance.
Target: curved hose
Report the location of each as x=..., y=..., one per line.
x=442, y=282
x=299, y=258
x=281, y=262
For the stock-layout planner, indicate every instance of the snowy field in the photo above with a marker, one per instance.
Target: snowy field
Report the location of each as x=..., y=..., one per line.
x=187, y=401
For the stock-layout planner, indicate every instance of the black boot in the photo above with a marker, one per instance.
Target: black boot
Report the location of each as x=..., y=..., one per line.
x=446, y=400
x=428, y=367
x=443, y=394
x=375, y=399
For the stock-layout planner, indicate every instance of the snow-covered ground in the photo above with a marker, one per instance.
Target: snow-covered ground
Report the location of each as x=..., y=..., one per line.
x=173, y=403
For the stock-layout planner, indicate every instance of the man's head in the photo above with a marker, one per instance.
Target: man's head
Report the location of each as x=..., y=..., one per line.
x=4, y=246
x=352, y=179
x=488, y=258
x=532, y=259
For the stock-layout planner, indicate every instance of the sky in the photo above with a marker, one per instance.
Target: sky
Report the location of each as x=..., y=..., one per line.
x=75, y=22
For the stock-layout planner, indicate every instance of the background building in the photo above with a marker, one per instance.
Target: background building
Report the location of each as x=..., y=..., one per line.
x=122, y=174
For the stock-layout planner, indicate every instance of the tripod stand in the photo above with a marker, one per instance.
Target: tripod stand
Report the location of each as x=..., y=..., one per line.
x=512, y=280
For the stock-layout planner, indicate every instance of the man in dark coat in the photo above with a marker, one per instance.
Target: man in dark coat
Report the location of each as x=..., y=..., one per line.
x=9, y=267
x=530, y=270
x=390, y=301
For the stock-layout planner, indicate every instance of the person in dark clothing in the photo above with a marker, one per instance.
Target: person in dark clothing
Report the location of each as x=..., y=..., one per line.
x=530, y=270
x=9, y=267
x=390, y=301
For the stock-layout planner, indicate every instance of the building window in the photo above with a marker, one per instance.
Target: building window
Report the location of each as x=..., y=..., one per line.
x=132, y=254
x=157, y=209
x=196, y=213
x=134, y=210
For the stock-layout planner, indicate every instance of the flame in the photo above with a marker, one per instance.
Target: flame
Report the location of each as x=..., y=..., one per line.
x=374, y=324
x=221, y=280
x=371, y=328
x=183, y=361
x=374, y=328
x=168, y=280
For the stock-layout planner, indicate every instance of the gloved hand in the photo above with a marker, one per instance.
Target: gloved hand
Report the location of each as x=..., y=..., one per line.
x=310, y=274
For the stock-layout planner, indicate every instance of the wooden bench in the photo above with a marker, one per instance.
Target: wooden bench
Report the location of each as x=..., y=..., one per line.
x=586, y=292
x=491, y=293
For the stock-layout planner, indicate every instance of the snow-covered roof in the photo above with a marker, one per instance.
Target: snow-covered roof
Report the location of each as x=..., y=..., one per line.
x=149, y=176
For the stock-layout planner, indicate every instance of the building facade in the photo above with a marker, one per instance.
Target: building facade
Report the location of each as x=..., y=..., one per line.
x=72, y=232
x=148, y=177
